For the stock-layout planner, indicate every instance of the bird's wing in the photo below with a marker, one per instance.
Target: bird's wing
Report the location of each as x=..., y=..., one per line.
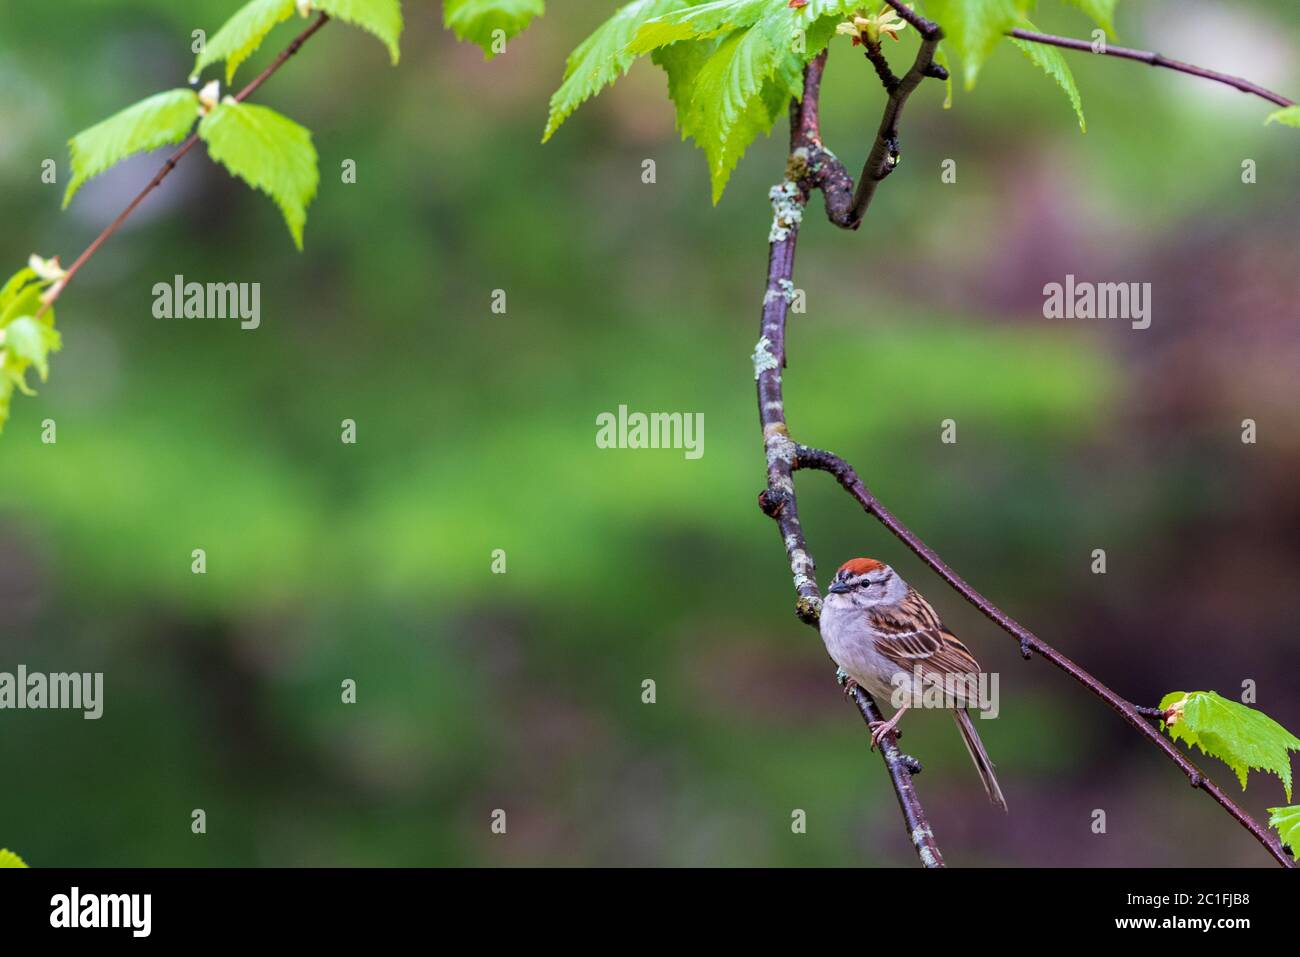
x=910, y=634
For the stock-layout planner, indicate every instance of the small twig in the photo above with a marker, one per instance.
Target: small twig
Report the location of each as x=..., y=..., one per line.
x=884, y=155
x=167, y=167
x=1154, y=59
x=881, y=63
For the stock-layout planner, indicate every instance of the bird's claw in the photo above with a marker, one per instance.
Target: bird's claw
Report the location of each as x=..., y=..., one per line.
x=881, y=728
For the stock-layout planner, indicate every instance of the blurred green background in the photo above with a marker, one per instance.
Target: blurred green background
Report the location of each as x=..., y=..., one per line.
x=522, y=691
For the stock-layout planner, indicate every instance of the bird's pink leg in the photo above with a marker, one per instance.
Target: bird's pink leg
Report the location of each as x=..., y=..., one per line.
x=881, y=728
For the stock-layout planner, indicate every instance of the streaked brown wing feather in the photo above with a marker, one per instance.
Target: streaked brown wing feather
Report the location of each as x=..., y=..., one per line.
x=911, y=634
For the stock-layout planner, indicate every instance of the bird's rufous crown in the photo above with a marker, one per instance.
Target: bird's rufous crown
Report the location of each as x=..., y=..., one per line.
x=861, y=566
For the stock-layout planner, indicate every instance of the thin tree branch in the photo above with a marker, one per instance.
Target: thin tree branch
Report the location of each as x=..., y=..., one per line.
x=876, y=54
x=1154, y=59
x=811, y=164
x=57, y=289
x=809, y=458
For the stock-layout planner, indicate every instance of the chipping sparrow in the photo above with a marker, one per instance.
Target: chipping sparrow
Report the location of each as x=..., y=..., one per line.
x=884, y=635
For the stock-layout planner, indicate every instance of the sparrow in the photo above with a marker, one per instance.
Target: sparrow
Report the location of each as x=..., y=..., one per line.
x=884, y=635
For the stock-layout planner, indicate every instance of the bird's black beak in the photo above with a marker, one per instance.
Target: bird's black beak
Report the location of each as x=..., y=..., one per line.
x=839, y=588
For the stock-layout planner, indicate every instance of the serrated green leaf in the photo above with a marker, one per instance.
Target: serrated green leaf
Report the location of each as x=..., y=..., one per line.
x=818, y=20
x=1050, y=61
x=702, y=21
x=731, y=85
x=1240, y=736
x=732, y=65
x=268, y=151
x=241, y=35
x=21, y=296
x=30, y=340
x=602, y=58
x=1102, y=11
x=975, y=27
x=161, y=119
x=13, y=285
x=1287, y=116
x=1286, y=820
x=717, y=18
x=681, y=63
x=731, y=79
x=24, y=340
x=383, y=18
x=477, y=20
x=725, y=109
x=9, y=859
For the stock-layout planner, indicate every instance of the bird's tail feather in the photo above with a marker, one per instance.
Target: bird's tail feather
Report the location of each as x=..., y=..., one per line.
x=981, y=757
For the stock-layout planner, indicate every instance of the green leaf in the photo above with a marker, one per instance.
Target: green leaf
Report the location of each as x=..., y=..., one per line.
x=701, y=22
x=269, y=152
x=1102, y=11
x=1287, y=822
x=1288, y=116
x=9, y=859
x=805, y=30
x=602, y=58
x=21, y=296
x=731, y=79
x=161, y=119
x=682, y=63
x=383, y=18
x=941, y=58
x=727, y=92
x=241, y=35
x=1241, y=737
x=733, y=66
x=1050, y=61
x=976, y=26
x=15, y=284
x=30, y=340
x=815, y=21
x=24, y=340
x=478, y=20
